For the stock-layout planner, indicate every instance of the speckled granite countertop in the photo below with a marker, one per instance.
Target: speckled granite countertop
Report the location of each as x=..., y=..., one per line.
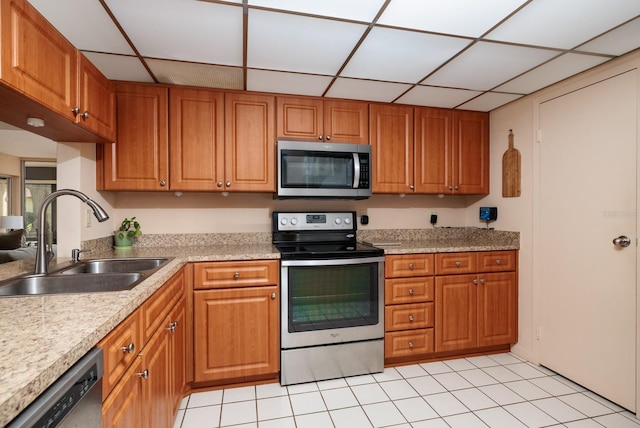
x=42, y=336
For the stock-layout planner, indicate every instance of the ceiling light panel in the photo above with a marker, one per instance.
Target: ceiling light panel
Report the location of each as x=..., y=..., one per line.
x=437, y=97
x=617, y=42
x=87, y=26
x=489, y=101
x=285, y=42
x=400, y=55
x=470, y=18
x=287, y=83
x=564, y=23
x=486, y=65
x=185, y=30
x=551, y=72
x=358, y=10
x=120, y=67
x=368, y=90
x=194, y=74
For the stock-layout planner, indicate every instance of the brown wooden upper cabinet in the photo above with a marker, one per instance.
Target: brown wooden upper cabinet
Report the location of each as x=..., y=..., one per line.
x=315, y=119
x=139, y=158
x=425, y=150
x=37, y=61
x=451, y=151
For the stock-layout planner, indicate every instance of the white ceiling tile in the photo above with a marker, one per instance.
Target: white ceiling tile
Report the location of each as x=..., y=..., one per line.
x=366, y=90
x=564, y=23
x=617, y=42
x=119, y=67
x=489, y=101
x=437, y=97
x=485, y=65
x=286, y=83
x=462, y=17
x=195, y=74
x=358, y=10
x=185, y=30
x=87, y=26
x=400, y=55
x=280, y=41
x=551, y=72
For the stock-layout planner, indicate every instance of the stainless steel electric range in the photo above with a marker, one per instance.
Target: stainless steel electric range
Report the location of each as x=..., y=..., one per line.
x=332, y=288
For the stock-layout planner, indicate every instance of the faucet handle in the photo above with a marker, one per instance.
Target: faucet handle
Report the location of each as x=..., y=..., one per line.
x=75, y=254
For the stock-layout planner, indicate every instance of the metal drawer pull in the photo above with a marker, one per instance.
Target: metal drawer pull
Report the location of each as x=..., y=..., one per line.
x=458, y=264
x=128, y=349
x=410, y=265
x=498, y=262
x=482, y=281
x=273, y=296
x=475, y=281
x=411, y=291
x=410, y=344
x=410, y=317
x=172, y=327
x=144, y=374
x=236, y=275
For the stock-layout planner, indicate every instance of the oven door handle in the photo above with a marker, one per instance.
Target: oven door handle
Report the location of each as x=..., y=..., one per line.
x=332, y=262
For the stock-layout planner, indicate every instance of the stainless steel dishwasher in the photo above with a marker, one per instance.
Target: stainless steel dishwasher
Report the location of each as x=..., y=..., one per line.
x=73, y=400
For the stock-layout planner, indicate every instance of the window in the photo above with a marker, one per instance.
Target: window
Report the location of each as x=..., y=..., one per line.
x=39, y=182
x=5, y=196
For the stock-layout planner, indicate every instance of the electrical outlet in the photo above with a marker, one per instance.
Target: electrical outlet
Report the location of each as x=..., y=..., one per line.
x=87, y=217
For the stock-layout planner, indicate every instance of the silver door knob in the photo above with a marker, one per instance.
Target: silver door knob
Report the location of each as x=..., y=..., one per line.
x=622, y=241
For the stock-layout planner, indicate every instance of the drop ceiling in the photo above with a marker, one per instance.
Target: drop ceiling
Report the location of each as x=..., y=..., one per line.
x=466, y=54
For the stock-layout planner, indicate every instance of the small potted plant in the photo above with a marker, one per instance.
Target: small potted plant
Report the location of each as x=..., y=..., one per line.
x=129, y=228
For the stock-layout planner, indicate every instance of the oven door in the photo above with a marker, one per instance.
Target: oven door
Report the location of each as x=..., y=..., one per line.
x=331, y=301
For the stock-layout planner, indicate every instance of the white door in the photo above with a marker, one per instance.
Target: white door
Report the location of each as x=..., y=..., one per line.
x=588, y=188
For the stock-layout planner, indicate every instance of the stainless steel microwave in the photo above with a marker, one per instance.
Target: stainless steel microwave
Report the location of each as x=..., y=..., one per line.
x=323, y=170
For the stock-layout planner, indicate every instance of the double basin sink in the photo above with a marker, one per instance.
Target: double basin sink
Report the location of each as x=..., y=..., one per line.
x=87, y=276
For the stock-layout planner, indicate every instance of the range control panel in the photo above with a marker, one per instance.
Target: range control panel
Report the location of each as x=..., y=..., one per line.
x=298, y=221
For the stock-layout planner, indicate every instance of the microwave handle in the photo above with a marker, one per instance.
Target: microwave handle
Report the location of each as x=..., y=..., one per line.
x=356, y=170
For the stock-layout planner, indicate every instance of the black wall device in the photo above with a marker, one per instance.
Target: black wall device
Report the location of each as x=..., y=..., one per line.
x=488, y=213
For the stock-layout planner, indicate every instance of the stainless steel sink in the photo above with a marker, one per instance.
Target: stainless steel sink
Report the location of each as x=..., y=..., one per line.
x=81, y=283
x=87, y=276
x=116, y=265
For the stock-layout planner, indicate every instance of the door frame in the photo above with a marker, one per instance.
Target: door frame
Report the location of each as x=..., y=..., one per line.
x=536, y=251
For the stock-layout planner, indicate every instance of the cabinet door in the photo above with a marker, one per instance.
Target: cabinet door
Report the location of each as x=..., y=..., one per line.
x=391, y=134
x=250, y=144
x=456, y=312
x=138, y=159
x=497, y=307
x=236, y=333
x=156, y=384
x=346, y=122
x=471, y=152
x=123, y=407
x=434, y=150
x=97, y=100
x=37, y=60
x=300, y=118
x=196, y=123
x=178, y=353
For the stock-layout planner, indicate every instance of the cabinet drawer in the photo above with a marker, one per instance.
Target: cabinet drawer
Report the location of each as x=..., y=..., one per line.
x=405, y=317
x=398, y=266
x=453, y=263
x=157, y=307
x=120, y=348
x=235, y=274
x=408, y=343
x=408, y=290
x=497, y=261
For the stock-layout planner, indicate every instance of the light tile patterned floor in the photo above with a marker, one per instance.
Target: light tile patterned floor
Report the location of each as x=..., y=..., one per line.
x=497, y=391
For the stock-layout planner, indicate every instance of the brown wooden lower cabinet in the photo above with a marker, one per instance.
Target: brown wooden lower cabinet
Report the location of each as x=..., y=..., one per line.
x=123, y=407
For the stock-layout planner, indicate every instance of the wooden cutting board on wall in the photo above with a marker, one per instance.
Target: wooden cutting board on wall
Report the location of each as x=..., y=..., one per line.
x=511, y=173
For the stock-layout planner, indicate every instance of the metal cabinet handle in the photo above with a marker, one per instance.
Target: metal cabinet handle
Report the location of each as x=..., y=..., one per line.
x=273, y=296
x=410, y=317
x=85, y=115
x=450, y=187
x=412, y=187
x=143, y=374
x=163, y=183
x=172, y=327
x=411, y=291
x=219, y=184
x=456, y=187
x=410, y=265
x=320, y=137
x=128, y=349
x=498, y=262
x=328, y=138
x=481, y=280
x=458, y=264
x=228, y=184
x=75, y=111
x=236, y=275
x=410, y=344
x=475, y=281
